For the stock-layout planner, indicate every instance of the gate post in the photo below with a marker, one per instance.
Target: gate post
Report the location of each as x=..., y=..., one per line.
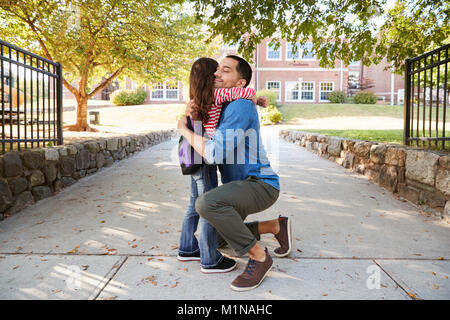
x=59, y=103
x=407, y=103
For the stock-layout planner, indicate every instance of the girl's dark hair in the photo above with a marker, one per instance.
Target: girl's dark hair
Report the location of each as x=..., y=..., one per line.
x=201, y=86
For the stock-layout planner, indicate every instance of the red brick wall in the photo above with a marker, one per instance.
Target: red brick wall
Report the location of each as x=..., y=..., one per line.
x=286, y=70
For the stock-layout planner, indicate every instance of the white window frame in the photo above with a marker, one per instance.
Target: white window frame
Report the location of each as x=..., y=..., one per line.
x=313, y=90
x=279, y=89
x=171, y=89
x=320, y=90
x=307, y=59
x=164, y=90
x=153, y=90
x=267, y=53
x=299, y=51
x=286, y=87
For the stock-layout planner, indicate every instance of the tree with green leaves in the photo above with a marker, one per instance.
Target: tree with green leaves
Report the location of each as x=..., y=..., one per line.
x=146, y=40
x=350, y=30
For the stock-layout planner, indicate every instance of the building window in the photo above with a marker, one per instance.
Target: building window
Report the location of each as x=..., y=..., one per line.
x=274, y=86
x=290, y=55
x=354, y=63
x=292, y=91
x=272, y=53
x=158, y=91
x=165, y=91
x=307, y=91
x=307, y=53
x=172, y=92
x=325, y=89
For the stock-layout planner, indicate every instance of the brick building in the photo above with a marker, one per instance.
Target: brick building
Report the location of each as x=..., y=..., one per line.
x=296, y=77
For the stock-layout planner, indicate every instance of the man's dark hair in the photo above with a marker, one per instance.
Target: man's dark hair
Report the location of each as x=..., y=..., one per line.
x=243, y=68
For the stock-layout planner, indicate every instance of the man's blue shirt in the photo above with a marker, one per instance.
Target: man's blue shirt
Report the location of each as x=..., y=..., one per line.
x=236, y=145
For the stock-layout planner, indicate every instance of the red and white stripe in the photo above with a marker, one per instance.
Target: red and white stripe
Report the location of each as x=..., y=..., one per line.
x=222, y=95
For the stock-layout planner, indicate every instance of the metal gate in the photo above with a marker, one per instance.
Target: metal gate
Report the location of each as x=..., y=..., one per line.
x=426, y=100
x=31, y=99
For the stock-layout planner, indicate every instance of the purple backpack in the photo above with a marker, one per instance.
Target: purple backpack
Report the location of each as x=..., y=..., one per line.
x=190, y=160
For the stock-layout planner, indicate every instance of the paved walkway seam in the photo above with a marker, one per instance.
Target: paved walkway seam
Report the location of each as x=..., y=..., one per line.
x=109, y=276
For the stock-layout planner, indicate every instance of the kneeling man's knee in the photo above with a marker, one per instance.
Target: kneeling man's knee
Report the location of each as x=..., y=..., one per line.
x=202, y=206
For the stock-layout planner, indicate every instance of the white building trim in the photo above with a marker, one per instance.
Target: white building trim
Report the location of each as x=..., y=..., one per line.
x=297, y=69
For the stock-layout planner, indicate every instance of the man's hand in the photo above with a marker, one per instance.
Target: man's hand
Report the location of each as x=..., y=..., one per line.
x=262, y=101
x=182, y=124
x=196, y=141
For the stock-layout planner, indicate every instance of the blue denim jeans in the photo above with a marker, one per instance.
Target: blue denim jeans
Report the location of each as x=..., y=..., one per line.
x=203, y=180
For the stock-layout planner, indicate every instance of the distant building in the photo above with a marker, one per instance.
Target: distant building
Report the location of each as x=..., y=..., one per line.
x=296, y=77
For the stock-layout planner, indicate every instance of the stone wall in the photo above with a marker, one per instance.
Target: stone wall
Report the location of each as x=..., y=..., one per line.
x=420, y=176
x=31, y=175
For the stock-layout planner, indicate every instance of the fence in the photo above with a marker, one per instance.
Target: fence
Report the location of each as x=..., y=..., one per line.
x=31, y=99
x=426, y=100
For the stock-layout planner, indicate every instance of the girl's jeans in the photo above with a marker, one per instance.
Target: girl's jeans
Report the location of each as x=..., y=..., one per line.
x=203, y=180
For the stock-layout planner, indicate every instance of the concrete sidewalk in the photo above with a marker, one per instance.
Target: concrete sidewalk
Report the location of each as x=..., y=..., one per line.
x=114, y=235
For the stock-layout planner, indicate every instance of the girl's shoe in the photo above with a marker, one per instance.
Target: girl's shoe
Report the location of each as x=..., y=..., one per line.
x=188, y=256
x=226, y=265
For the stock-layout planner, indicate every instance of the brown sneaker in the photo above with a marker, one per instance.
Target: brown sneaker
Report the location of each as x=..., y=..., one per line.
x=253, y=275
x=284, y=237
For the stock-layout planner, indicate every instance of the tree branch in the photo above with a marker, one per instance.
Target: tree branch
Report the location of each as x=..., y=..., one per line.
x=105, y=83
x=70, y=87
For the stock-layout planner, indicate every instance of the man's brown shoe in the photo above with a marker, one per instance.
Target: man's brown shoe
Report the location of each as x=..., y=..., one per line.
x=284, y=237
x=253, y=275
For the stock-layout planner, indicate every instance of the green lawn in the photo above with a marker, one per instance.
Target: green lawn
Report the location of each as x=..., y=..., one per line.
x=383, y=136
x=292, y=112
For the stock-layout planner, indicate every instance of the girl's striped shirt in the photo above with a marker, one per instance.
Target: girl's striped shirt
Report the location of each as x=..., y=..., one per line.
x=222, y=95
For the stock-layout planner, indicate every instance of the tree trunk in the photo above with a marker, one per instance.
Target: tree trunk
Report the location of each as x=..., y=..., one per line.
x=82, y=123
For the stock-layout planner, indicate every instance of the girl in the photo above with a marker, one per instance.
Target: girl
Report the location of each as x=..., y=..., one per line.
x=206, y=103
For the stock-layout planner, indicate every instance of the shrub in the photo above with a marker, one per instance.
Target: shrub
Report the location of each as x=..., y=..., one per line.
x=271, y=115
x=271, y=96
x=365, y=97
x=128, y=97
x=337, y=97
x=119, y=97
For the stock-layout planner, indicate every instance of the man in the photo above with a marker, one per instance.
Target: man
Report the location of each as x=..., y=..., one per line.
x=249, y=183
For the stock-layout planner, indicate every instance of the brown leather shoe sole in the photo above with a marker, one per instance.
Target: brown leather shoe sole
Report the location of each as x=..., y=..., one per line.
x=289, y=232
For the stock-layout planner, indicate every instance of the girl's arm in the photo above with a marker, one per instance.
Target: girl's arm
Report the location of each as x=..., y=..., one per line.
x=230, y=94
